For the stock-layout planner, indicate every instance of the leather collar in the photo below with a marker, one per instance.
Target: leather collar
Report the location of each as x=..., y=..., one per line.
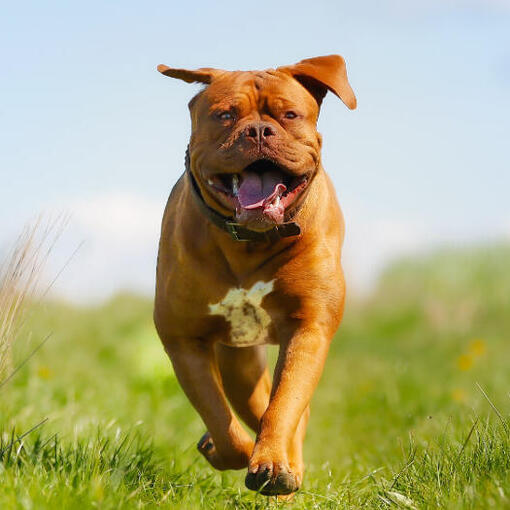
x=237, y=231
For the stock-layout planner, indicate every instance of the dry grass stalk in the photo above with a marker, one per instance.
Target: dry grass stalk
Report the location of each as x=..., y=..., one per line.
x=20, y=278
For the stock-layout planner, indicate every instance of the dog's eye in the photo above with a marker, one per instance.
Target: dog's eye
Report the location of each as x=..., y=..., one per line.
x=290, y=115
x=225, y=115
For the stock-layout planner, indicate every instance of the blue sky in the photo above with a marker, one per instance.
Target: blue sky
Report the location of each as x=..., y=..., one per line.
x=89, y=127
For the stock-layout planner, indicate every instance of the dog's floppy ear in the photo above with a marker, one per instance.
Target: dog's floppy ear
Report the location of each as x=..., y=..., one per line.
x=321, y=74
x=203, y=75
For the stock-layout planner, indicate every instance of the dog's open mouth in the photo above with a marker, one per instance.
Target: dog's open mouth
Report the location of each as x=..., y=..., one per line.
x=260, y=193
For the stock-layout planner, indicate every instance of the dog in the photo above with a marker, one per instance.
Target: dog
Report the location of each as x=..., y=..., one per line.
x=249, y=255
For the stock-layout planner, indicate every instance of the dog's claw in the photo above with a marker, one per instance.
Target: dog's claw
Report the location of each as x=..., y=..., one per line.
x=271, y=482
x=206, y=443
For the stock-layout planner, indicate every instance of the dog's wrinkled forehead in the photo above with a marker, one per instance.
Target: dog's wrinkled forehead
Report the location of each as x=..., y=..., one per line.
x=255, y=90
x=317, y=75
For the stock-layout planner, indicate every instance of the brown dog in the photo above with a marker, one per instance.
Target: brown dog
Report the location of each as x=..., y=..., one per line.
x=250, y=254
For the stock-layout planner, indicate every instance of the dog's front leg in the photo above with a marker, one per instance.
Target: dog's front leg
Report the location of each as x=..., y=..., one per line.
x=226, y=445
x=273, y=468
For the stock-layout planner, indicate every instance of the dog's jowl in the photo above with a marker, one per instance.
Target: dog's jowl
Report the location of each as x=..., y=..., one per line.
x=249, y=255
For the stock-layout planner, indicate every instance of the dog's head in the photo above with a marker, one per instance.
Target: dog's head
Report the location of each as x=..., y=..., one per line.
x=254, y=145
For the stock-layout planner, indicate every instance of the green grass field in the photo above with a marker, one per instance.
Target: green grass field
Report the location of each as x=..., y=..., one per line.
x=412, y=410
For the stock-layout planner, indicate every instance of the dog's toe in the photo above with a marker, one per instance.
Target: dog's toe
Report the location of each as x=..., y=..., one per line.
x=271, y=480
x=206, y=445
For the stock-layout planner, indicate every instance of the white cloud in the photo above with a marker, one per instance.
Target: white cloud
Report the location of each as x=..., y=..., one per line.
x=120, y=235
x=120, y=218
x=372, y=242
x=121, y=232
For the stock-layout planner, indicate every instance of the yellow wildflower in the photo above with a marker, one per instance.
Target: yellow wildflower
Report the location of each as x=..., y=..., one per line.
x=464, y=362
x=458, y=395
x=44, y=373
x=477, y=347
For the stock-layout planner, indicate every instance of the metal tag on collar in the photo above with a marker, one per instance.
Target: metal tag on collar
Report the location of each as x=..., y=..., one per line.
x=232, y=230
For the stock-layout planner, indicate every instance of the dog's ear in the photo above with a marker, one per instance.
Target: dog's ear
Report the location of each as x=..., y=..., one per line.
x=203, y=75
x=321, y=74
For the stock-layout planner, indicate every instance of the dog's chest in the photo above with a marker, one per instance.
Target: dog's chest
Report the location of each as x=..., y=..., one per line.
x=242, y=308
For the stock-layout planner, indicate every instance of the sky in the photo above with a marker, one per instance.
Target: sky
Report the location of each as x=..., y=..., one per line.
x=89, y=128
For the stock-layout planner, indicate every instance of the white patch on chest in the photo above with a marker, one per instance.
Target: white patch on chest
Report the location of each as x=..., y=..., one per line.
x=242, y=308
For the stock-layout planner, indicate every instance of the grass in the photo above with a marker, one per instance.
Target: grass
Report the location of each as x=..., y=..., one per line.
x=20, y=273
x=412, y=410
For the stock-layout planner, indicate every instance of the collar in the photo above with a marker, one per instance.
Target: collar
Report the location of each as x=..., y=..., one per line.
x=237, y=231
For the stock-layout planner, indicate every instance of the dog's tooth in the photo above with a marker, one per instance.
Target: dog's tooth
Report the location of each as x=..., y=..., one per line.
x=210, y=182
x=235, y=184
x=277, y=201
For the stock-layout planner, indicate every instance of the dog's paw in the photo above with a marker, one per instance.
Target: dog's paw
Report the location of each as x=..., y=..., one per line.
x=206, y=445
x=272, y=478
x=231, y=459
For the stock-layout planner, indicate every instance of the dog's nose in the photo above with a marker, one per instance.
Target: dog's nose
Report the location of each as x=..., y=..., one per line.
x=259, y=131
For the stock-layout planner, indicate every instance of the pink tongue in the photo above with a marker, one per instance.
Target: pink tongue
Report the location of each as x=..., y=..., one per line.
x=258, y=189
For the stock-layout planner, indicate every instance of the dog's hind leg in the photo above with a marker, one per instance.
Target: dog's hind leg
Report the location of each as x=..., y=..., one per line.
x=227, y=445
x=246, y=380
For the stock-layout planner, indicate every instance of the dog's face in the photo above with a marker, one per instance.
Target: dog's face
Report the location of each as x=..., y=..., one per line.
x=254, y=146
